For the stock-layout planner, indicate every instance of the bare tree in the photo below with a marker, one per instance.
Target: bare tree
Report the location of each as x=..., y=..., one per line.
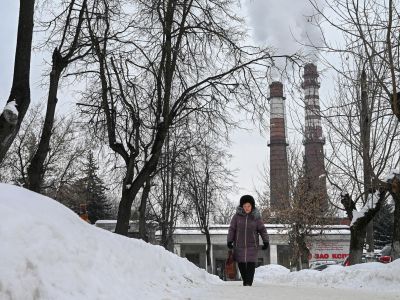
x=66, y=28
x=362, y=137
x=303, y=217
x=61, y=165
x=181, y=57
x=373, y=26
x=170, y=204
x=206, y=182
x=223, y=212
x=168, y=196
x=19, y=99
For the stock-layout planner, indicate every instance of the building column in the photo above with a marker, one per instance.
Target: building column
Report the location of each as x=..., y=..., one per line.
x=273, y=254
x=212, y=258
x=177, y=249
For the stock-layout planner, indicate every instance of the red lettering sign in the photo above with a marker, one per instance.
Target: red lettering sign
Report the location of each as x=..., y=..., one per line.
x=332, y=256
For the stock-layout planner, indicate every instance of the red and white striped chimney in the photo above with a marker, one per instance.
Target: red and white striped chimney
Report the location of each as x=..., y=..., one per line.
x=313, y=138
x=279, y=176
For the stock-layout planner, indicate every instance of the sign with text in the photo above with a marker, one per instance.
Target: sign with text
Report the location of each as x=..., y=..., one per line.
x=328, y=250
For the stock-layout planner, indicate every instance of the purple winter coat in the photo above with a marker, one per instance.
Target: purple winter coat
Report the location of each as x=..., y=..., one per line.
x=243, y=231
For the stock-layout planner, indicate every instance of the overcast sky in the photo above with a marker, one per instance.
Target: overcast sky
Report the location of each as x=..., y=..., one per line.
x=271, y=22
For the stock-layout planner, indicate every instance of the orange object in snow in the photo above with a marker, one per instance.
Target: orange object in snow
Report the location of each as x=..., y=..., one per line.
x=83, y=213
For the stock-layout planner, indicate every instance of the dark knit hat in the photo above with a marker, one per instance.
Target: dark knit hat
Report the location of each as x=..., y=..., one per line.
x=247, y=199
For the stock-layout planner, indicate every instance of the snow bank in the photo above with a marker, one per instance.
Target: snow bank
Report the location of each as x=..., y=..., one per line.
x=371, y=203
x=368, y=276
x=48, y=252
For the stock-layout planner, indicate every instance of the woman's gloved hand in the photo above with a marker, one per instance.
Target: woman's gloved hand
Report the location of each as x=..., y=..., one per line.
x=266, y=245
x=230, y=245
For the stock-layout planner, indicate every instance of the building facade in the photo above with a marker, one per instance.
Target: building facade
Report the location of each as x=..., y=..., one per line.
x=331, y=243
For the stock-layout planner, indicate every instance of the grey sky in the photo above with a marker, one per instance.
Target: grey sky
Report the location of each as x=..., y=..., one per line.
x=8, y=38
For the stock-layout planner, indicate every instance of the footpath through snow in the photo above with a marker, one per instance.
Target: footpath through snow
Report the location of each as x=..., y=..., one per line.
x=48, y=252
x=234, y=290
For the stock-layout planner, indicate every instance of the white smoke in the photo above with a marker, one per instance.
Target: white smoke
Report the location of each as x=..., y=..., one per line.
x=284, y=25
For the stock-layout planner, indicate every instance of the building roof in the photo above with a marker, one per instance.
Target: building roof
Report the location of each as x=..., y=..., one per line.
x=271, y=229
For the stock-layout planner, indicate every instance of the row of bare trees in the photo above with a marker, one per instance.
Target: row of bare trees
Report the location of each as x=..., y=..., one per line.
x=157, y=81
x=362, y=119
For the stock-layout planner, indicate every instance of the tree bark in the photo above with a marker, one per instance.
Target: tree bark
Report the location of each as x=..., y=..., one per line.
x=358, y=229
x=128, y=195
x=365, y=128
x=395, y=192
x=357, y=235
x=208, y=249
x=142, y=211
x=36, y=168
x=20, y=91
x=396, y=230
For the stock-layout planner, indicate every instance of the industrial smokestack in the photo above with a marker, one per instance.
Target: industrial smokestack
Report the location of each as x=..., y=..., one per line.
x=313, y=138
x=279, y=177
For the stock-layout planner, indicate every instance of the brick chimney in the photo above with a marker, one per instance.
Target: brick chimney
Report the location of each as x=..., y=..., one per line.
x=279, y=177
x=313, y=138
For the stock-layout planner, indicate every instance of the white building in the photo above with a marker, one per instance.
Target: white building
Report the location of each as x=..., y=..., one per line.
x=331, y=243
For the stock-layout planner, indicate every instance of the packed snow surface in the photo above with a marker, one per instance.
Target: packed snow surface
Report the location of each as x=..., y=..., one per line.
x=48, y=252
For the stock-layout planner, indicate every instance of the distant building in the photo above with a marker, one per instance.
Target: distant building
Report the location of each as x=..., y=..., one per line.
x=189, y=242
x=133, y=229
x=330, y=244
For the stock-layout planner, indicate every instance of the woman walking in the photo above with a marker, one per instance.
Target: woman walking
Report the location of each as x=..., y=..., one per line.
x=243, y=233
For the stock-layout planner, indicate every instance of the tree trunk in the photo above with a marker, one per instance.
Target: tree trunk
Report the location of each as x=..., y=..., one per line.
x=357, y=237
x=20, y=91
x=359, y=228
x=128, y=195
x=208, y=250
x=365, y=128
x=396, y=228
x=142, y=211
x=124, y=212
x=36, y=168
x=166, y=203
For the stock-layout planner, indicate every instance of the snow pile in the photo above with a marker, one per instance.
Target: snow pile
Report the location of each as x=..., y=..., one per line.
x=48, y=252
x=269, y=273
x=10, y=112
x=368, y=276
x=372, y=201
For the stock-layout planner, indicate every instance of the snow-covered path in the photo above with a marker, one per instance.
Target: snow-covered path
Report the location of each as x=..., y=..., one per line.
x=234, y=290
